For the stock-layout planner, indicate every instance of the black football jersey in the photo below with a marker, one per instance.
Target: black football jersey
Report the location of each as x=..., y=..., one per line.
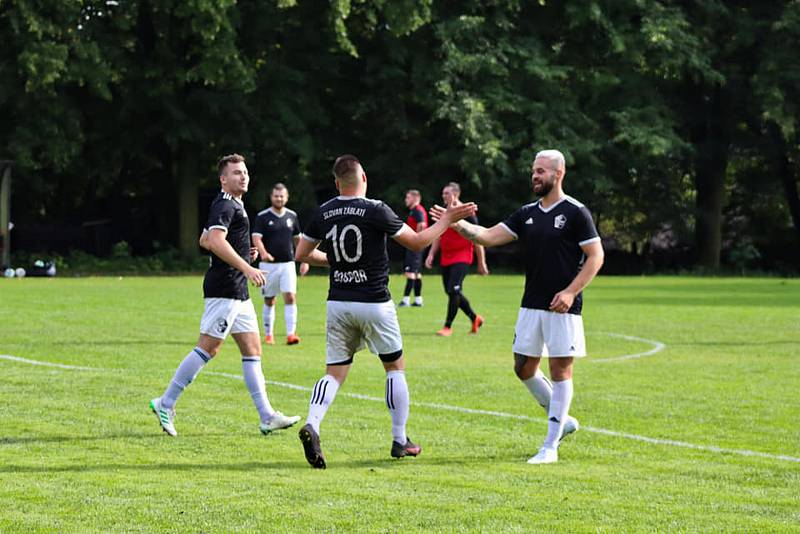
x=277, y=232
x=222, y=280
x=353, y=233
x=551, y=241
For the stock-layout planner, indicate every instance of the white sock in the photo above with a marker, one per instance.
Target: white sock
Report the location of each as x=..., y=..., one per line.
x=417, y=300
x=406, y=299
x=541, y=388
x=559, y=410
x=184, y=375
x=321, y=398
x=254, y=378
x=397, y=402
x=290, y=316
x=268, y=315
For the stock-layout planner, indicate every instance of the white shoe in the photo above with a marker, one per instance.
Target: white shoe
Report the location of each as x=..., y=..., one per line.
x=166, y=418
x=545, y=455
x=570, y=427
x=278, y=422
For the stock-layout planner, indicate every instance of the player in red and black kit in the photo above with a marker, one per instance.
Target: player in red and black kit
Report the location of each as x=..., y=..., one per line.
x=412, y=264
x=457, y=254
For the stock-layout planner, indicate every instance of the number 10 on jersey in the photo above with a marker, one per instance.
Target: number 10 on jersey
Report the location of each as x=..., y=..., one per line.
x=337, y=242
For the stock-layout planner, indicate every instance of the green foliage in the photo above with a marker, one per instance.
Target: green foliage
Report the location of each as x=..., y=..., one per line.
x=130, y=103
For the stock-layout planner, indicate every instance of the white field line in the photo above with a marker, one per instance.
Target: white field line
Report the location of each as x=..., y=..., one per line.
x=459, y=409
x=657, y=347
x=47, y=364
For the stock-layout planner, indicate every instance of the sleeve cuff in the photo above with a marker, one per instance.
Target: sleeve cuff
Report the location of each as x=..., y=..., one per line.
x=592, y=240
x=311, y=239
x=505, y=227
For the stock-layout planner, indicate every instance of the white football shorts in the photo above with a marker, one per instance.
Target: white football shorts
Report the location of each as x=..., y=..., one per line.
x=281, y=278
x=351, y=326
x=549, y=334
x=228, y=316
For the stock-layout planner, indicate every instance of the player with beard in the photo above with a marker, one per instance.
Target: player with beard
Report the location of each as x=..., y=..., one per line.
x=563, y=254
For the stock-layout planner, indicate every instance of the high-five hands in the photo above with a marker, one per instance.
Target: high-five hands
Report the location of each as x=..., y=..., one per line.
x=453, y=214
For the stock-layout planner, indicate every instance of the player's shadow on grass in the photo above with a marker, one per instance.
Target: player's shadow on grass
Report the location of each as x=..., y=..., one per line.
x=24, y=440
x=294, y=463
x=126, y=342
x=160, y=468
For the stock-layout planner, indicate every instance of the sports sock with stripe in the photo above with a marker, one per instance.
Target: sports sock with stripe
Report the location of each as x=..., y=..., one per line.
x=184, y=375
x=322, y=396
x=397, y=402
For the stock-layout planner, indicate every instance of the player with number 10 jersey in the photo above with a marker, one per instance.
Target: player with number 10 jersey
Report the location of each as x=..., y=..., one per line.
x=355, y=228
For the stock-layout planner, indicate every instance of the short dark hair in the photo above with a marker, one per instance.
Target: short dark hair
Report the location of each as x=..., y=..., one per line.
x=454, y=186
x=279, y=186
x=345, y=165
x=230, y=158
x=414, y=192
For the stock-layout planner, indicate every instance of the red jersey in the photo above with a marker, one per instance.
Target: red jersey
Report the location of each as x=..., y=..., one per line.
x=454, y=248
x=417, y=215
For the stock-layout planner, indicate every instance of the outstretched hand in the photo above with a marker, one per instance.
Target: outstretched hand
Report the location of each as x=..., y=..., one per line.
x=453, y=214
x=436, y=212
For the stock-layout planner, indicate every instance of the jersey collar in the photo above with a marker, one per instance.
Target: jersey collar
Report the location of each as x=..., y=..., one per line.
x=559, y=201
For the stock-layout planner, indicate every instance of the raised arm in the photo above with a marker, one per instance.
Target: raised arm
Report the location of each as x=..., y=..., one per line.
x=215, y=239
x=417, y=241
x=495, y=236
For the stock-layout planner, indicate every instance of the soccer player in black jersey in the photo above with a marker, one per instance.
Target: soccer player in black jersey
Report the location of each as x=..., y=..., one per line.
x=563, y=254
x=228, y=308
x=360, y=311
x=276, y=233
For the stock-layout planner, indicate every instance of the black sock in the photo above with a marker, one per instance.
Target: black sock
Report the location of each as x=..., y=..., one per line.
x=418, y=287
x=452, y=308
x=466, y=308
x=409, y=286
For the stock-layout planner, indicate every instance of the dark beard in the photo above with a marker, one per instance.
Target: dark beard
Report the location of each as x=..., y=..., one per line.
x=543, y=189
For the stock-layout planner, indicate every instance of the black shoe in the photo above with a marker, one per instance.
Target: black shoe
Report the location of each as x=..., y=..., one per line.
x=409, y=449
x=313, y=451
x=417, y=304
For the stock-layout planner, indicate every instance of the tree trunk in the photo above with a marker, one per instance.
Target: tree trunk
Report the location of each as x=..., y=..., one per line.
x=710, y=165
x=787, y=175
x=188, y=229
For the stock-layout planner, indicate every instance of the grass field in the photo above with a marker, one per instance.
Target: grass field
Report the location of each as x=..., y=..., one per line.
x=701, y=435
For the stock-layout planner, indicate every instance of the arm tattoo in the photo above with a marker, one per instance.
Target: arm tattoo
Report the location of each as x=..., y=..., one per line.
x=468, y=232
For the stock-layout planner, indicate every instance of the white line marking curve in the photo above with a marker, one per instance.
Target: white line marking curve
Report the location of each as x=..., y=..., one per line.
x=657, y=347
x=459, y=409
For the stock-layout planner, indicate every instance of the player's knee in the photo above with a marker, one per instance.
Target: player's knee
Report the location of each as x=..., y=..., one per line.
x=289, y=298
x=390, y=358
x=269, y=301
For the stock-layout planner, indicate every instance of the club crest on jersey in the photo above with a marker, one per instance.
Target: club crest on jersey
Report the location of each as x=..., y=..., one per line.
x=559, y=221
x=289, y=223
